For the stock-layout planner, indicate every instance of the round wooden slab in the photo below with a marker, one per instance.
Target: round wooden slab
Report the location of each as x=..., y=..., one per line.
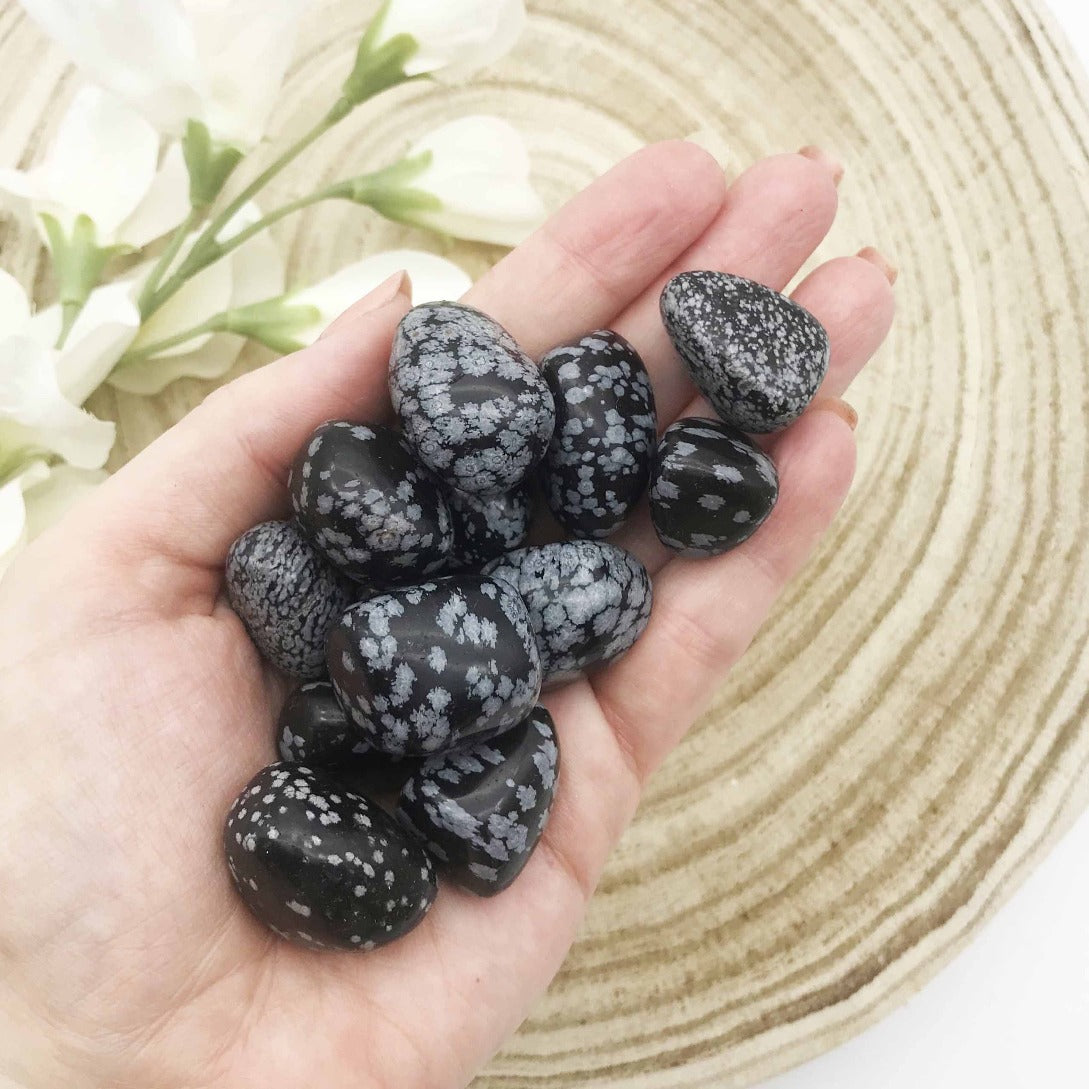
x=909, y=732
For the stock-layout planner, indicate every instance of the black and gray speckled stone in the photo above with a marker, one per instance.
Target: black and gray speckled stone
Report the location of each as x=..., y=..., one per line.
x=322, y=867
x=286, y=595
x=314, y=730
x=471, y=403
x=588, y=601
x=755, y=355
x=485, y=528
x=713, y=488
x=480, y=810
x=425, y=668
x=598, y=462
x=368, y=505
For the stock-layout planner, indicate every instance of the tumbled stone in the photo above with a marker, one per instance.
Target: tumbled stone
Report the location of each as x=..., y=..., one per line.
x=598, y=462
x=368, y=505
x=422, y=669
x=588, y=601
x=758, y=357
x=485, y=528
x=322, y=867
x=713, y=488
x=481, y=809
x=471, y=403
x=286, y=595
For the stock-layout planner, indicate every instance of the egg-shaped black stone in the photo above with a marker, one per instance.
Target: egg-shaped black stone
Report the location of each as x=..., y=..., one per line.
x=422, y=669
x=314, y=730
x=599, y=460
x=758, y=357
x=368, y=505
x=286, y=595
x=471, y=403
x=323, y=867
x=486, y=527
x=588, y=601
x=481, y=809
x=713, y=488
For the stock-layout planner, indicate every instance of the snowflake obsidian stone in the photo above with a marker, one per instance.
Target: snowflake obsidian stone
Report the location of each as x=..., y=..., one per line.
x=471, y=403
x=286, y=595
x=368, y=505
x=588, y=601
x=480, y=810
x=485, y=528
x=758, y=357
x=712, y=488
x=598, y=462
x=323, y=867
x=424, y=668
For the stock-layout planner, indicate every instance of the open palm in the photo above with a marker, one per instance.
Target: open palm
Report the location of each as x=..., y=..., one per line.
x=133, y=707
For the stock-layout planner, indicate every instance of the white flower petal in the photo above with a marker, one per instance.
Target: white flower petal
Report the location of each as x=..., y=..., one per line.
x=34, y=415
x=148, y=377
x=14, y=305
x=455, y=37
x=50, y=499
x=102, y=334
x=257, y=271
x=102, y=161
x=142, y=50
x=246, y=47
x=14, y=532
x=480, y=171
x=164, y=206
x=433, y=278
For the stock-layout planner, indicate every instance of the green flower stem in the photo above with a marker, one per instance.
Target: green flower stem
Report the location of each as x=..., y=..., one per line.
x=70, y=312
x=162, y=266
x=215, y=324
x=207, y=250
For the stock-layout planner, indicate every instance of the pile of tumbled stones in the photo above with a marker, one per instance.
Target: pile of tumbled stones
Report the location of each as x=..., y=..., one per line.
x=405, y=597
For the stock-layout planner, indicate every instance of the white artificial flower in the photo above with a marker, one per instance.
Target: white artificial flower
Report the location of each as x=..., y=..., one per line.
x=39, y=496
x=41, y=388
x=476, y=178
x=253, y=272
x=290, y=322
x=453, y=37
x=103, y=164
x=221, y=62
x=433, y=279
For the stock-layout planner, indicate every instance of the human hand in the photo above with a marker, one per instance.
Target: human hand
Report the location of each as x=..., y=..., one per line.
x=133, y=707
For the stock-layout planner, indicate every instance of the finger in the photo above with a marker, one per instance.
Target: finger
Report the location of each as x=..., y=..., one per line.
x=775, y=216
x=706, y=612
x=604, y=247
x=224, y=467
x=852, y=297
x=853, y=300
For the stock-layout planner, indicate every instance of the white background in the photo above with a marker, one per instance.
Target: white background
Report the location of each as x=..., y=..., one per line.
x=1012, y=1011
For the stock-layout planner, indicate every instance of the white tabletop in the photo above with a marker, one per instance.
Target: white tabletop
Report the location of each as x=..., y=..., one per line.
x=1012, y=1011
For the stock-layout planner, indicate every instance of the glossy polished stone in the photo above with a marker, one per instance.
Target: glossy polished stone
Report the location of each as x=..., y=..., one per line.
x=485, y=528
x=368, y=505
x=588, y=601
x=422, y=669
x=599, y=460
x=480, y=810
x=756, y=356
x=322, y=867
x=286, y=595
x=471, y=403
x=713, y=488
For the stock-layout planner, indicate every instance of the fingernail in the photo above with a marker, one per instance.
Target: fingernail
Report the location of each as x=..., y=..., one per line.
x=839, y=408
x=388, y=290
x=876, y=257
x=829, y=162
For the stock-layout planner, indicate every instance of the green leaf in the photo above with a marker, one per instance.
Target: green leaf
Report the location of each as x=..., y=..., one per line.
x=210, y=164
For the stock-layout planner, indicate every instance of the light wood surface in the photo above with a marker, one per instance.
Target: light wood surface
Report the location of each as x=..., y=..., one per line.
x=909, y=732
